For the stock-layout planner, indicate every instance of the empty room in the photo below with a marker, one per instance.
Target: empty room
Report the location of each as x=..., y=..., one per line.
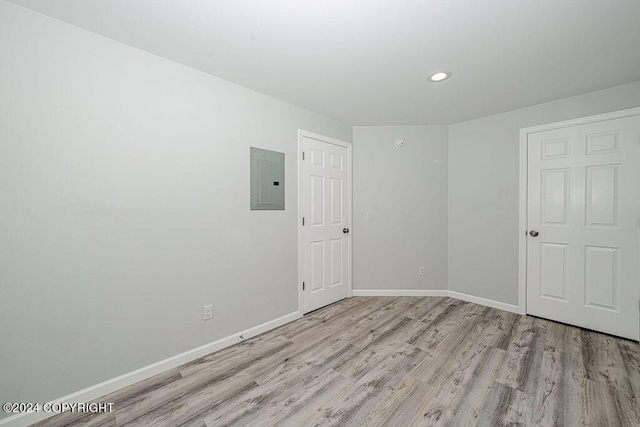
x=319, y=213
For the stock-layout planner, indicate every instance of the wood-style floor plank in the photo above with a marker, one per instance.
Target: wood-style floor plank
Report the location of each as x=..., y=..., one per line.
x=506, y=406
x=265, y=403
x=460, y=400
x=302, y=403
x=394, y=361
x=631, y=360
x=604, y=362
x=354, y=403
x=524, y=356
x=557, y=397
x=400, y=408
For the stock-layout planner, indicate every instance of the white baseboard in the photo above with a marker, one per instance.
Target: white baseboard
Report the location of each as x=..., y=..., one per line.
x=399, y=293
x=435, y=293
x=484, y=301
x=96, y=391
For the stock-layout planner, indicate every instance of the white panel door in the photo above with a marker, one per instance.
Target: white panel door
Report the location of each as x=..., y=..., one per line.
x=325, y=231
x=583, y=248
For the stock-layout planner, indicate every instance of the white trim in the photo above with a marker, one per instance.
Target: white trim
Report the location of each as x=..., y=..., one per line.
x=584, y=120
x=348, y=146
x=350, y=189
x=400, y=293
x=524, y=136
x=96, y=391
x=484, y=301
x=299, y=219
x=322, y=138
x=436, y=293
x=522, y=225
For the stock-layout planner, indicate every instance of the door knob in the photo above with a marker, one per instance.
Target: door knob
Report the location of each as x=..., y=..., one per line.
x=533, y=233
x=345, y=230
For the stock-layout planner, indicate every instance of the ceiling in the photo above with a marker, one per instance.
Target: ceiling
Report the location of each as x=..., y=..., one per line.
x=365, y=62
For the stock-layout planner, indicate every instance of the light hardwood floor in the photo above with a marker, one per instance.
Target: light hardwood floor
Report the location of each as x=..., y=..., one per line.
x=395, y=361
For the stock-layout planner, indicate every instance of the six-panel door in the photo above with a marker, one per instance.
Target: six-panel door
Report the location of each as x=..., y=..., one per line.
x=584, y=202
x=325, y=192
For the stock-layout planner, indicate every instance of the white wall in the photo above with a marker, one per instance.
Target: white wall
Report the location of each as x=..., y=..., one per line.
x=124, y=208
x=483, y=189
x=406, y=190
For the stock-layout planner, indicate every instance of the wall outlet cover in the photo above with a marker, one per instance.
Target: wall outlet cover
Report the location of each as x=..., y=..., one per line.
x=208, y=312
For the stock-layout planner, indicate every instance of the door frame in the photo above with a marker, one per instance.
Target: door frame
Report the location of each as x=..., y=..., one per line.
x=523, y=203
x=302, y=134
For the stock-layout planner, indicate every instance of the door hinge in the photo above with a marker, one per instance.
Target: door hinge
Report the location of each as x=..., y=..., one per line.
x=302, y=220
x=303, y=155
x=303, y=286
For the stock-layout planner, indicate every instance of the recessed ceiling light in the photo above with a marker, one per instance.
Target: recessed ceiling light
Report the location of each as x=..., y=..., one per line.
x=438, y=76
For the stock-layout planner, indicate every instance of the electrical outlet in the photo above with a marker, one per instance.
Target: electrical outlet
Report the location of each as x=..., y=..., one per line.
x=369, y=216
x=422, y=271
x=208, y=312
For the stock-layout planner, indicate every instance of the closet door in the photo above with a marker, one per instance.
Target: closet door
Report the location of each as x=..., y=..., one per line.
x=583, y=249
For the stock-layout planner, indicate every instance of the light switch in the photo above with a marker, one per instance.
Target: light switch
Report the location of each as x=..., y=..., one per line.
x=369, y=216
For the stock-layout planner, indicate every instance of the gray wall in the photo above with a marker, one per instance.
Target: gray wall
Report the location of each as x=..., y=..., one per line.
x=125, y=208
x=483, y=189
x=406, y=189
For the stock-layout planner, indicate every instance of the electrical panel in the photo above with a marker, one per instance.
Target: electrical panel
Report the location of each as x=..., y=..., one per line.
x=267, y=179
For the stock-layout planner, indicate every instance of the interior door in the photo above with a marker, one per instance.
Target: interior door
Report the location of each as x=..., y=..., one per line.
x=583, y=252
x=325, y=230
